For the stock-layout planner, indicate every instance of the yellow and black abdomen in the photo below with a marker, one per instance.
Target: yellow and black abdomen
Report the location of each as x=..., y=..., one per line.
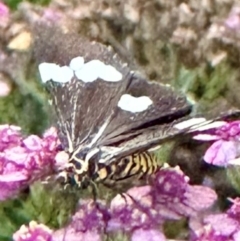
x=135, y=166
x=130, y=168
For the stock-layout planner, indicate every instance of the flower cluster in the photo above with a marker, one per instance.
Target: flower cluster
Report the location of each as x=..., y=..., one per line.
x=24, y=160
x=32, y=232
x=221, y=226
x=139, y=212
x=226, y=147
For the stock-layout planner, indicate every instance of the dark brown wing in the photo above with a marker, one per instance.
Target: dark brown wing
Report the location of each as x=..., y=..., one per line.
x=82, y=108
x=168, y=105
x=88, y=113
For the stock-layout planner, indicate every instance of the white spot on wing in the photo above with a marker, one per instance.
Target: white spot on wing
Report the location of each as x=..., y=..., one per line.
x=109, y=73
x=46, y=70
x=63, y=74
x=76, y=63
x=89, y=71
x=52, y=71
x=134, y=104
x=96, y=69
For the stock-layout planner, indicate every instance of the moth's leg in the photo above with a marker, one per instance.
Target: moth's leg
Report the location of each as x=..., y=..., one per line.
x=136, y=203
x=94, y=190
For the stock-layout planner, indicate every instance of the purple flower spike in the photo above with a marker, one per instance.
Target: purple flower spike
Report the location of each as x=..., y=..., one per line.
x=133, y=210
x=33, y=232
x=214, y=227
x=174, y=197
x=90, y=216
x=221, y=226
x=88, y=223
x=169, y=197
x=23, y=161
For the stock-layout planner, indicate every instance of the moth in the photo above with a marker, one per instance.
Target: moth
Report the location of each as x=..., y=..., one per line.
x=108, y=115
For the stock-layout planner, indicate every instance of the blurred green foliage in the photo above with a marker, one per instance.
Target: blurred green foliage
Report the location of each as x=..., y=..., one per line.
x=205, y=82
x=234, y=177
x=13, y=214
x=48, y=205
x=24, y=110
x=14, y=3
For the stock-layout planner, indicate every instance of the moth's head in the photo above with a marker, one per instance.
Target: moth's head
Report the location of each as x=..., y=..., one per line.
x=70, y=170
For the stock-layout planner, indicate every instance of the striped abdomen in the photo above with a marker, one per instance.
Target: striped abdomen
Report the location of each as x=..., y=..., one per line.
x=135, y=166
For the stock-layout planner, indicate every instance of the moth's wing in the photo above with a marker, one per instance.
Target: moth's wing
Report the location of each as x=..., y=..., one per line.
x=141, y=142
x=158, y=134
x=167, y=106
x=82, y=108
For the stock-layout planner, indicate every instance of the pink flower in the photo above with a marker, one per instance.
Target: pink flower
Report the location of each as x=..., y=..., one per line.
x=4, y=15
x=88, y=223
x=217, y=227
x=24, y=160
x=226, y=148
x=170, y=197
x=33, y=232
x=140, y=212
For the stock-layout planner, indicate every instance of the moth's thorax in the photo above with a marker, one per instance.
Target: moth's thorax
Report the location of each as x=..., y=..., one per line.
x=74, y=174
x=80, y=167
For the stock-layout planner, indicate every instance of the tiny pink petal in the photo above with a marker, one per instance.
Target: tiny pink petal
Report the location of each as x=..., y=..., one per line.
x=23, y=161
